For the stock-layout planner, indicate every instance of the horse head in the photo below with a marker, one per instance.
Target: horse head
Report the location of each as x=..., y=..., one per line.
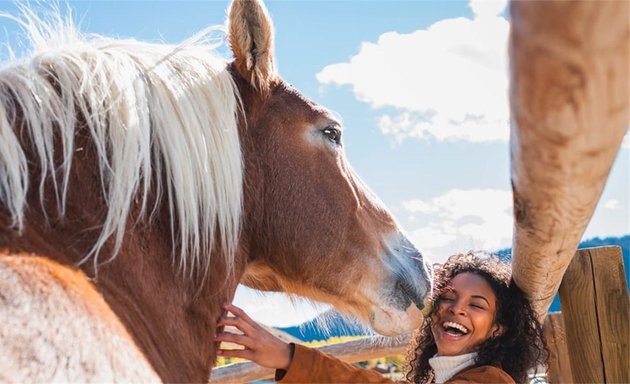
x=311, y=227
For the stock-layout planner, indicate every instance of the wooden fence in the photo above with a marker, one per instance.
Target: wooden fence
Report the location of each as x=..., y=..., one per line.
x=596, y=314
x=589, y=340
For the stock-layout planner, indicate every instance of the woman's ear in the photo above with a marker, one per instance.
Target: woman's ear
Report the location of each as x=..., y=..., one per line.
x=499, y=330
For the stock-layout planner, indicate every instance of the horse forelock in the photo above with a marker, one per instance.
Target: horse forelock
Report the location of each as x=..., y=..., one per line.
x=150, y=109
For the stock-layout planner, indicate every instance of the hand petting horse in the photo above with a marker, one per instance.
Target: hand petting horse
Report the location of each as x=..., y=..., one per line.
x=139, y=183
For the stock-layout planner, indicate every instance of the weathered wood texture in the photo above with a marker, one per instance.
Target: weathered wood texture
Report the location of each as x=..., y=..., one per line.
x=559, y=370
x=351, y=351
x=569, y=97
x=596, y=308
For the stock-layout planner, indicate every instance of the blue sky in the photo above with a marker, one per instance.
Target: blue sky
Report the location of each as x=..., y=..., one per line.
x=421, y=87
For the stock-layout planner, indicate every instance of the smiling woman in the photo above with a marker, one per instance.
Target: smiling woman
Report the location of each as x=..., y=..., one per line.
x=480, y=318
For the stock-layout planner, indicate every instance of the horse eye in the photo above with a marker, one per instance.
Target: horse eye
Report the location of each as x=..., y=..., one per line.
x=333, y=134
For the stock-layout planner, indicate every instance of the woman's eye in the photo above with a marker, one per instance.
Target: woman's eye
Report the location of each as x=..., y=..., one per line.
x=333, y=134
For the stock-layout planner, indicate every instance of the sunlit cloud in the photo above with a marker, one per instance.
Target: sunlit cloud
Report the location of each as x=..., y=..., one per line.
x=415, y=206
x=611, y=204
x=446, y=82
x=460, y=220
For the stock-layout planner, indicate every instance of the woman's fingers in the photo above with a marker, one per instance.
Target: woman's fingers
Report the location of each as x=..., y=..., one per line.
x=237, y=322
x=241, y=353
x=238, y=312
x=229, y=337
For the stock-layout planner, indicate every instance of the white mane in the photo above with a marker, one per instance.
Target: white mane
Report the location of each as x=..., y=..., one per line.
x=150, y=109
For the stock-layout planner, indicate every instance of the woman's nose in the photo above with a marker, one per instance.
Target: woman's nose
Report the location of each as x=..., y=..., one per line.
x=456, y=308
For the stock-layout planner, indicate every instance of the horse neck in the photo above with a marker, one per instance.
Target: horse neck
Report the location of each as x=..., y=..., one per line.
x=172, y=319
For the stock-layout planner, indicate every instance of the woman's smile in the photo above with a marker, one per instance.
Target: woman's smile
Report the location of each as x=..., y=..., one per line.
x=454, y=330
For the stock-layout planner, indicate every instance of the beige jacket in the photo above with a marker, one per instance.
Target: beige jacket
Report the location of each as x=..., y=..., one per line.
x=311, y=366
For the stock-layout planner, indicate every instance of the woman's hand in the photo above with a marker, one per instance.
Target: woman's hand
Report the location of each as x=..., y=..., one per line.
x=259, y=345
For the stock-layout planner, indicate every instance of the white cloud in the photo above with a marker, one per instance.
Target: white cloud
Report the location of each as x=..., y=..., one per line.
x=413, y=125
x=487, y=8
x=611, y=204
x=415, y=206
x=449, y=80
x=460, y=220
x=430, y=238
x=626, y=141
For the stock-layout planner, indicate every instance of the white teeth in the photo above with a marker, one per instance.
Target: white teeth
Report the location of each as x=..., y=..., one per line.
x=460, y=327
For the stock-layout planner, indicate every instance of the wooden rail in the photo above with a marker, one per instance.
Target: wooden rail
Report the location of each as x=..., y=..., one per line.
x=589, y=340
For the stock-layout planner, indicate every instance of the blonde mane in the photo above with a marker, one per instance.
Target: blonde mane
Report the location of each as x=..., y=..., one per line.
x=150, y=109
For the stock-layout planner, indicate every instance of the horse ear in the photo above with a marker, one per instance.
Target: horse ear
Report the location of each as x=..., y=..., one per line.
x=251, y=40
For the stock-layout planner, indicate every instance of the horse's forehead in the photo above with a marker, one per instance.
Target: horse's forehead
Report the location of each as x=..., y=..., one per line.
x=292, y=99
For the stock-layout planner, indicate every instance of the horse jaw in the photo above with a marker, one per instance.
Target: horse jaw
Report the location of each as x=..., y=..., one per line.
x=391, y=303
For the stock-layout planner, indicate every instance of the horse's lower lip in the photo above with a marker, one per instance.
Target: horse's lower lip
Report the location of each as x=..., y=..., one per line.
x=393, y=322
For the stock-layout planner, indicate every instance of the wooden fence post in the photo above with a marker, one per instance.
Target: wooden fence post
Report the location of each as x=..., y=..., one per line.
x=596, y=309
x=559, y=370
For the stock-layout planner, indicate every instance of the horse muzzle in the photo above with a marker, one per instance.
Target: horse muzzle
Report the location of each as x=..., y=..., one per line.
x=404, y=295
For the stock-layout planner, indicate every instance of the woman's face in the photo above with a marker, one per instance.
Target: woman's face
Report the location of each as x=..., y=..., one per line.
x=464, y=315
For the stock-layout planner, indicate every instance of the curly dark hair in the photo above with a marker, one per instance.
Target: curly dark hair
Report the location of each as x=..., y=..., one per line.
x=520, y=348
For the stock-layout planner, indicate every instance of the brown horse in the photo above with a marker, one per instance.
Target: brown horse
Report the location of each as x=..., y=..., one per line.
x=151, y=179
